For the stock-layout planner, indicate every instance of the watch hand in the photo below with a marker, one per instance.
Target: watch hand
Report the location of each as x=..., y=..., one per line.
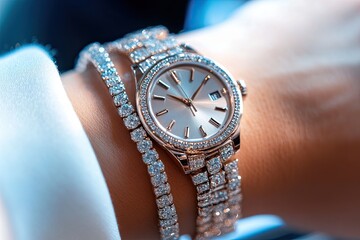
x=183, y=100
x=186, y=101
x=178, y=82
x=201, y=85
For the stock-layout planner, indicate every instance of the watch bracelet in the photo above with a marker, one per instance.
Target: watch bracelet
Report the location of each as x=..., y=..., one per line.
x=218, y=206
x=99, y=57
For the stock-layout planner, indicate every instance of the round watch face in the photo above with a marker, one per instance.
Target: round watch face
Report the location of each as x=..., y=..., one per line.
x=189, y=102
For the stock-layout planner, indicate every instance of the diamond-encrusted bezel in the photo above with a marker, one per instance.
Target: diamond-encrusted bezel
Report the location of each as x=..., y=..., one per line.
x=163, y=136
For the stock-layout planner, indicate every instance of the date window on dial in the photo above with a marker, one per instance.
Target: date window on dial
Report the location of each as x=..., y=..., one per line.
x=214, y=95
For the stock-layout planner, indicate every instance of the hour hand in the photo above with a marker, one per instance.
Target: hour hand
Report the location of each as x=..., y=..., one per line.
x=180, y=99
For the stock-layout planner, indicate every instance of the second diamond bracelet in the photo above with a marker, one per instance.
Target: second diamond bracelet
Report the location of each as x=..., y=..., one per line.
x=99, y=57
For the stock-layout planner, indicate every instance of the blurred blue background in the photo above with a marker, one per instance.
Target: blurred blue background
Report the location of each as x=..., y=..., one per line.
x=66, y=26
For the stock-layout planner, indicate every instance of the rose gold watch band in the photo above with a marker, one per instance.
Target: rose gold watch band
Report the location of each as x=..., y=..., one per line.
x=215, y=175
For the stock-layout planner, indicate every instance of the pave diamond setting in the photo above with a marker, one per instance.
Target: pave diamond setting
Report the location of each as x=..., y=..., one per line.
x=226, y=152
x=196, y=161
x=167, y=212
x=217, y=180
x=214, y=165
x=200, y=178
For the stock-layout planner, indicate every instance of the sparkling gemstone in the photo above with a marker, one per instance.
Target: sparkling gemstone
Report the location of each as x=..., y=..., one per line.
x=145, y=65
x=132, y=121
x=233, y=184
x=167, y=212
x=139, y=54
x=200, y=178
x=170, y=232
x=144, y=145
x=162, y=189
x=205, y=202
x=116, y=89
x=150, y=156
x=168, y=222
x=226, y=152
x=159, y=56
x=103, y=65
x=109, y=72
x=213, y=165
x=156, y=49
x=203, y=187
x=159, y=179
x=125, y=110
x=150, y=42
x=196, y=162
x=120, y=99
x=138, y=134
x=219, y=196
x=164, y=201
x=204, y=196
x=204, y=211
x=175, y=50
x=155, y=168
x=231, y=166
x=217, y=180
x=131, y=44
x=112, y=81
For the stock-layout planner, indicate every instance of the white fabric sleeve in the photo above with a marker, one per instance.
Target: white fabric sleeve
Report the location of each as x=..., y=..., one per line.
x=51, y=185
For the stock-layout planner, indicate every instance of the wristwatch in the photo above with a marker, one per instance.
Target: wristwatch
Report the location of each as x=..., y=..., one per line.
x=192, y=108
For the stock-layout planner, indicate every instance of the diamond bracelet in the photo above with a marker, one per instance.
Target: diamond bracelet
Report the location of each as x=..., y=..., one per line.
x=96, y=54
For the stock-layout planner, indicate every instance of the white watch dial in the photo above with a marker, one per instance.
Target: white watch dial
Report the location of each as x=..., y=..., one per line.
x=189, y=102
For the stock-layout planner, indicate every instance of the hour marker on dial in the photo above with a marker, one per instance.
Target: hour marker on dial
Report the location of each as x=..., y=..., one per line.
x=214, y=122
x=202, y=131
x=162, y=112
x=159, y=97
x=192, y=71
x=170, y=126
x=187, y=132
x=206, y=78
x=221, y=109
x=175, y=77
x=223, y=91
x=164, y=85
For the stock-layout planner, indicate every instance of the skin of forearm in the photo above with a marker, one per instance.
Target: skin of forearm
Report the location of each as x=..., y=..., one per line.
x=299, y=133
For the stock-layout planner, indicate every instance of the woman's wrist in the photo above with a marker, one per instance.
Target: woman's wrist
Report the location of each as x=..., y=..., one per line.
x=121, y=164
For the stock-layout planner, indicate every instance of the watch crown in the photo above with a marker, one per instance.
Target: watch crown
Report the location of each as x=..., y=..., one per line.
x=243, y=87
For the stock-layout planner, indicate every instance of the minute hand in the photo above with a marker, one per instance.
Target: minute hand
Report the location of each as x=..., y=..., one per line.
x=201, y=85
